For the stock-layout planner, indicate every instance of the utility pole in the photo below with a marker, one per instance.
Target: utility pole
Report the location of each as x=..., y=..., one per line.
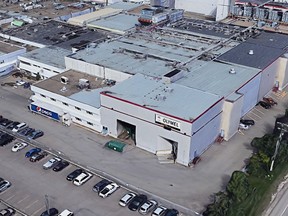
x=47, y=204
x=283, y=128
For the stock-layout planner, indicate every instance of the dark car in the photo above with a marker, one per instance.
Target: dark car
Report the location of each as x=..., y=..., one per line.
x=7, y=212
x=5, y=139
x=38, y=156
x=247, y=122
x=264, y=105
x=60, y=166
x=137, y=201
x=12, y=125
x=5, y=122
x=26, y=131
x=31, y=152
x=36, y=134
x=270, y=101
x=52, y=212
x=171, y=212
x=101, y=185
x=74, y=174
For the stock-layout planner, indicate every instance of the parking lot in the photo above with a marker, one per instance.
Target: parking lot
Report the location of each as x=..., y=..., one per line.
x=180, y=187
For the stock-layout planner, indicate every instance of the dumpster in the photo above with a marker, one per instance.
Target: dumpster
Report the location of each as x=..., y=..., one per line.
x=115, y=145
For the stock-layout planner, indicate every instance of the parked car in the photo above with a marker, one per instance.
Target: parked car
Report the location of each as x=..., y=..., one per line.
x=7, y=212
x=147, y=207
x=52, y=212
x=36, y=134
x=108, y=190
x=60, y=166
x=247, y=121
x=74, y=174
x=5, y=139
x=38, y=156
x=31, y=152
x=137, y=202
x=66, y=212
x=82, y=178
x=100, y=185
x=4, y=185
x=126, y=199
x=5, y=122
x=12, y=125
x=19, y=146
x=26, y=131
x=264, y=104
x=19, y=127
x=159, y=211
x=171, y=212
x=243, y=126
x=50, y=163
x=270, y=101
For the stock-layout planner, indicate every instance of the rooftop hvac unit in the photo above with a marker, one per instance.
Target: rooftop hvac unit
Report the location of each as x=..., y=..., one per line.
x=64, y=80
x=83, y=83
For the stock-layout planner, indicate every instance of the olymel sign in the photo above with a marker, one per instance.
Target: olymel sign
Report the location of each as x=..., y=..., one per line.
x=167, y=121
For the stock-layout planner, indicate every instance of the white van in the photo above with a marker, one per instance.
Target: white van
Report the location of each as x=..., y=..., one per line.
x=82, y=178
x=66, y=212
x=19, y=127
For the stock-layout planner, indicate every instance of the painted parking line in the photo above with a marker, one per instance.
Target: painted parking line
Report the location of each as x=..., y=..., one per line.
x=40, y=209
x=10, y=197
x=28, y=206
x=27, y=196
x=259, y=111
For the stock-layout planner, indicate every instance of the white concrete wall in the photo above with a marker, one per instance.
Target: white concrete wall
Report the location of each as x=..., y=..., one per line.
x=223, y=8
x=95, y=118
x=268, y=79
x=250, y=92
x=207, y=7
x=34, y=67
x=282, y=73
x=231, y=116
x=116, y=75
x=22, y=41
x=12, y=56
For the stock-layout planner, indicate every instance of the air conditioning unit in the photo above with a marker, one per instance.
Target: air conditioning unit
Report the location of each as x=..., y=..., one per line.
x=64, y=80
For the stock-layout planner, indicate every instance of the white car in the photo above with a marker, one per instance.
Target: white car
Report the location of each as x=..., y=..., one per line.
x=243, y=126
x=159, y=211
x=108, y=190
x=148, y=206
x=19, y=146
x=82, y=178
x=19, y=127
x=50, y=163
x=125, y=200
x=66, y=212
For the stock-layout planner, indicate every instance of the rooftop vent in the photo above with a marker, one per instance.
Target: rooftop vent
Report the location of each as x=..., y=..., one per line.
x=64, y=80
x=232, y=71
x=173, y=76
x=251, y=52
x=83, y=83
x=160, y=97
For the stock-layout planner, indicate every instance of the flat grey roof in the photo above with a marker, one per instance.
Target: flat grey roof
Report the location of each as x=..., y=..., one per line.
x=50, y=55
x=56, y=33
x=126, y=6
x=54, y=85
x=214, y=77
x=205, y=27
x=270, y=39
x=8, y=48
x=170, y=99
x=117, y=23
x=90, y=97
x=263, y=55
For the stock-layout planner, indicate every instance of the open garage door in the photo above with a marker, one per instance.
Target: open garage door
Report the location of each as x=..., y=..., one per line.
x=126, y=131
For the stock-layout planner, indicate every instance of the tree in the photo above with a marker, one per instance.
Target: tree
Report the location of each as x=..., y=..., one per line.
x=219, y=207
x=238, y=187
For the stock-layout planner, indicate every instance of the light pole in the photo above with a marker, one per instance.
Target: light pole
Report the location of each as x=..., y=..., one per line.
x=283, y=128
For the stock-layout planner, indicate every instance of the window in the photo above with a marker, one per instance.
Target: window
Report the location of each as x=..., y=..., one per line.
x=89, y=123
x=65, y=103
x=77, y=108
x=43, y=95
x=89, y=112
x=78, y=119
x=52, y=99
